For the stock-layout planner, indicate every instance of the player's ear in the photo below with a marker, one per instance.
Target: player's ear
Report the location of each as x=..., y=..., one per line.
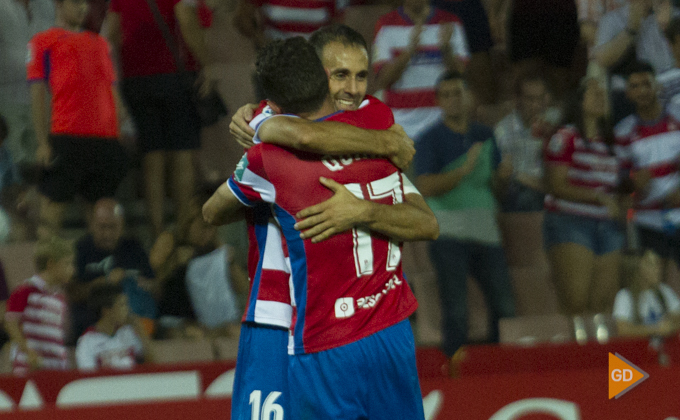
x=274, y=107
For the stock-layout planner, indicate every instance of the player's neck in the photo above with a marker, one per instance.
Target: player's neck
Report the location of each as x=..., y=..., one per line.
x=326, y=109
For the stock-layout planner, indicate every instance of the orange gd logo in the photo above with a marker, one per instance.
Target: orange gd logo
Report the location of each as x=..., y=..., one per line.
x=623, y=375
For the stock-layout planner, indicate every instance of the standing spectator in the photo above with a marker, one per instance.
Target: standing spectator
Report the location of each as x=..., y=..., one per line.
x=79, y=149
x=582, y=231
x=105, y=256
x=20, y=20
x=36, y=311
x=476, y=24
x=544, y=32
x=413, y=46
x=648, y=142
x=517, y=143
x=645, y=306
x=158, y=97
x=9, y=178
x=459, y=166
x=118, y=340
x=670, y=79
x=589, y=14
x=629, y=32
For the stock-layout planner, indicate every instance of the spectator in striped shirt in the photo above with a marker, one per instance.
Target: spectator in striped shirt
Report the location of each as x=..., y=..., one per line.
x=582, y=231
x=36, y=311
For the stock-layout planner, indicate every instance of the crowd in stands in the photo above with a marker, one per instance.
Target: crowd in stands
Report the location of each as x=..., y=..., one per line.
x=564, y=110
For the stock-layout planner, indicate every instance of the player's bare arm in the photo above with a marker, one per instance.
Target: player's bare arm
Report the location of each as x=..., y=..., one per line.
x=336, y=139
x=411, y=220
x=331, y=138
x=223, y=207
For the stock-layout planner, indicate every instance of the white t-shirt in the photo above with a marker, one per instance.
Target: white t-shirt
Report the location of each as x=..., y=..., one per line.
x=96, y=350
x=649, y=309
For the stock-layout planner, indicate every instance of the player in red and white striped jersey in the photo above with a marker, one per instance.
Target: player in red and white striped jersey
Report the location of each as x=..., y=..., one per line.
x=582, y=231
x=37, y=311
x=648, y=142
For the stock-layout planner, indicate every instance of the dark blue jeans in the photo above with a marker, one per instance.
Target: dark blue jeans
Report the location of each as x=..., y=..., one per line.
x=454, y=260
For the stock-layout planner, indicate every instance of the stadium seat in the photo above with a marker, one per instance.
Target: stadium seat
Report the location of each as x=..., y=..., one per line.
x=529, y=330
x=17, y=259
x=183, y=350
x=226, y=348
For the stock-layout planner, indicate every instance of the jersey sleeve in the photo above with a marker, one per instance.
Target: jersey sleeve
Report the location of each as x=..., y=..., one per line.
x=409, y=188
x=249, y=182
x=37, y=66
x=560, y=148
x=86, y=356
x=17, y=302
x=623, y=306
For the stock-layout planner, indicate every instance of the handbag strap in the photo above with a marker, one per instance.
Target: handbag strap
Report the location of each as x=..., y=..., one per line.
x=170, y=41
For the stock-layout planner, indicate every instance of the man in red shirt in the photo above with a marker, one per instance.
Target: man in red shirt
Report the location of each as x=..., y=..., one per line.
x=78, y=147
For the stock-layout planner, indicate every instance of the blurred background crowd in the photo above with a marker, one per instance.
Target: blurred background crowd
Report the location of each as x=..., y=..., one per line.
x=554, y=121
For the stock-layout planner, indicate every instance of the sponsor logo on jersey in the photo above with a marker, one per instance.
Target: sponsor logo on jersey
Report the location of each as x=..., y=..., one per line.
x=344, y=307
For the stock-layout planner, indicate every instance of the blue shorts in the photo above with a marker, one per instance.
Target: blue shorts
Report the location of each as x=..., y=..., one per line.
x=373, y=378
x=599, y=236
x=261, y=377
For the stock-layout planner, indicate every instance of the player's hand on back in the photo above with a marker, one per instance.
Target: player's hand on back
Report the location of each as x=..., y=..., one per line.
x=240, y=128
x=338, y=214
x=405, y=148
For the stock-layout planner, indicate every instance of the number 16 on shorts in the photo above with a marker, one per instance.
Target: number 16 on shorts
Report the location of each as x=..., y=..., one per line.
x=267, y=411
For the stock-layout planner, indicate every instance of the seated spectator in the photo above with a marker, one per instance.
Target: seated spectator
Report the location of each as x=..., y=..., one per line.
x=105, y=256
x=200, y=281
x=582, y=230
x=517, y=143
x=118, y=340
x=36, y=311
x=458, y=167
x=645, y=306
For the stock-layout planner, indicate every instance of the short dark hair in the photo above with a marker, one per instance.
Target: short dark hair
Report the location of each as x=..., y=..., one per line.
x=449, y=76
x=4, y=130
x=292, y=76
x=104, y=297
x=528, y=77
x=637, y=67
x=336, y=33
x=672, y=31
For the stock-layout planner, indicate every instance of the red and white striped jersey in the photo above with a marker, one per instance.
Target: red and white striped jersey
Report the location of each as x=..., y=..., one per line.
x=348, y=286
x=42, y=314
x=654, y=146
x=591, y=165
x=96, y=350
x=288, y=18
x=416, y=87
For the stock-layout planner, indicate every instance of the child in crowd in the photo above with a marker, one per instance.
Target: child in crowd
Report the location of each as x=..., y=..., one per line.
x=118, y=340
x=36, y=311
x=645, y=306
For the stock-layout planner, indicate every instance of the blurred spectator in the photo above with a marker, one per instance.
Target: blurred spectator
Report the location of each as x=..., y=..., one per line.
x=476, y=25
x=20, y=20
x=583, y=233
x=36, y=311
x=118, y=340
x=413, y=46
x=648, y=142
x=629, y=32
x=105, y=256
x=589, y=14
x=77, y=129
x=542, y=32
x=158, y=94
x=96, y=15
x=517, y=143
x=459, y=166
x=9, y=178
x=645, y=306
x=670, y=80
x=4, y=294
x=200, y=281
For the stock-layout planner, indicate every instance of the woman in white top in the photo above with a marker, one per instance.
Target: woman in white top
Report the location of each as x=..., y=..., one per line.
x=645, y=306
